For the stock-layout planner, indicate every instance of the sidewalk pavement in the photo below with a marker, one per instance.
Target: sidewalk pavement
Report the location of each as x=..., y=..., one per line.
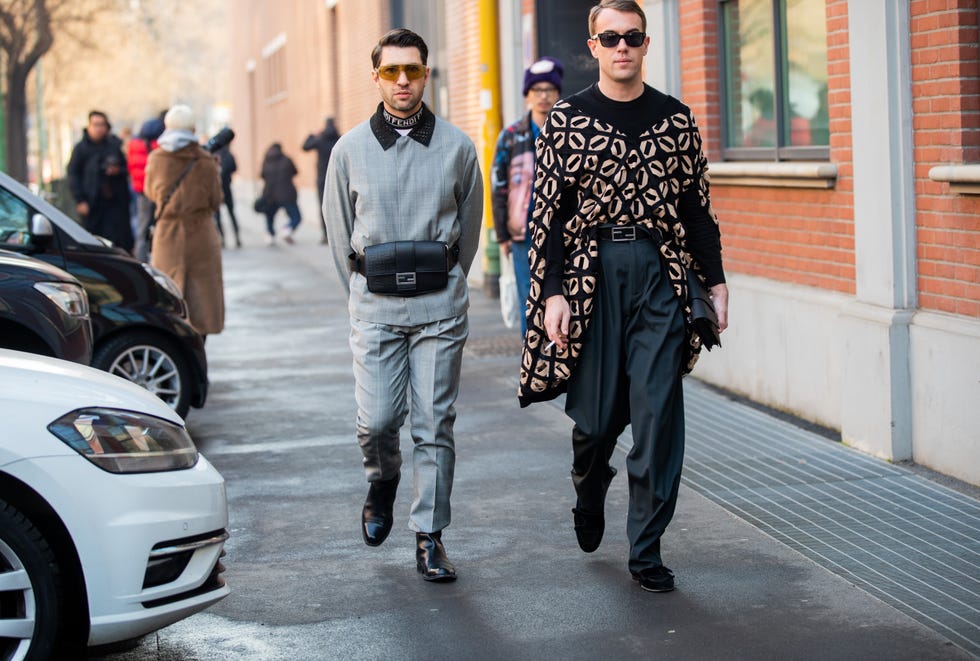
x=279, y=426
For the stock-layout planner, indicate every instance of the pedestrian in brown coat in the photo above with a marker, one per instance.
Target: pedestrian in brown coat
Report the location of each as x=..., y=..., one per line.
x=186, y=244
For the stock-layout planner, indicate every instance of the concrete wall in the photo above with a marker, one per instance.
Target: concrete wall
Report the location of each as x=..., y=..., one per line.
x=783, y=348
x=945, y=365
x=795, y=348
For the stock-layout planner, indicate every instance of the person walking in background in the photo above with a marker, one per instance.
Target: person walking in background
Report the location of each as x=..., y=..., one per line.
x=182, y=181
x=323, y=142
x=137, y=153
x=125, y=137
x=622, y=211
x=279, y=191
x=513, y=171
x=228, y=167
x=406, y=185
x=99, y=182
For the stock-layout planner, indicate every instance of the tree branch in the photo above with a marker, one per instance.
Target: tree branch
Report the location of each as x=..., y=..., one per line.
x=43, y=39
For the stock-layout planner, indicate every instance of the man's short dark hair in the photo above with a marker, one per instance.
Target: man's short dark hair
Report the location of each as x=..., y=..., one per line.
x=618, y=5
x=400, y=38
x=99, y=113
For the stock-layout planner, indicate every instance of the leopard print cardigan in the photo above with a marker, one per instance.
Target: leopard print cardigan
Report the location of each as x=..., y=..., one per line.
x=588, y=174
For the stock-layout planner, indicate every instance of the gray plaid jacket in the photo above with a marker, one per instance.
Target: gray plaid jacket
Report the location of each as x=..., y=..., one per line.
x=425, y=186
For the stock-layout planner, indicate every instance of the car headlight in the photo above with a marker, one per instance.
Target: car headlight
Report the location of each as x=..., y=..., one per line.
x=67, y=296
x=126, y=442
x=164, y=280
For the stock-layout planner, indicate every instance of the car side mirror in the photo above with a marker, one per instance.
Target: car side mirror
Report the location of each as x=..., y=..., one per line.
x=41, y=227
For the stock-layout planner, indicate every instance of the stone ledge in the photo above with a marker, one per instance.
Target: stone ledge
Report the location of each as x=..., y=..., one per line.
x=819, y=174
x=947, y=323
x=963, y=178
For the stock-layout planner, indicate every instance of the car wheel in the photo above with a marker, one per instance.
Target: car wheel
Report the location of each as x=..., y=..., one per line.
x=32, y=602
x=150, y=361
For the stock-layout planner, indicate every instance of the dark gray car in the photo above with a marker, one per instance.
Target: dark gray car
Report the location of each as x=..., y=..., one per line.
x=43, y=310
x=140, y=325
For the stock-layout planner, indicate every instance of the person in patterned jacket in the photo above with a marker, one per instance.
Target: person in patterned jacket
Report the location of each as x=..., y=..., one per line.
x=622, y=211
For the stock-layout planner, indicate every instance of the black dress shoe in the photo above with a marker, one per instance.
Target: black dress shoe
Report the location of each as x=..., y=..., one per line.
x=588, y=529
x=430, y=558
x=377, y=517
x=655, y=579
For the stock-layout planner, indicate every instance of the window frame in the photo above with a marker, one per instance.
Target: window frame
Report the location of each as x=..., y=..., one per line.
x=779, y=152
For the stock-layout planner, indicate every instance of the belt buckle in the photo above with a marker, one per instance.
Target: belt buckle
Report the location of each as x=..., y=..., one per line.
x=405, y=280
x=624, y=233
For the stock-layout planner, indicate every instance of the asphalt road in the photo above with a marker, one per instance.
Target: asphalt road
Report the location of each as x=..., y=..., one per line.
x=279, y=426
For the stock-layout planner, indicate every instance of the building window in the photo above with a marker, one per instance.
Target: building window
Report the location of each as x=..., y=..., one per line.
x=774, y=73
x=274, y=63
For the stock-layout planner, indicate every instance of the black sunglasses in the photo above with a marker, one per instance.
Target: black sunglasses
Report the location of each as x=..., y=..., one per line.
x=611, y=39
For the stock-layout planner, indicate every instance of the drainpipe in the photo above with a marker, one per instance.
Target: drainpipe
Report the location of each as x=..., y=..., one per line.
x=396, y=13
x=490, y=107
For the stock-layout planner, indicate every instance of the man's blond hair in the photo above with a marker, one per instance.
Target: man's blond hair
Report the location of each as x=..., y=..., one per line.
x=618, y=5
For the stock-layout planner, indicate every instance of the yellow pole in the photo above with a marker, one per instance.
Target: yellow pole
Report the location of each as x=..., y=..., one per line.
x=490, y=105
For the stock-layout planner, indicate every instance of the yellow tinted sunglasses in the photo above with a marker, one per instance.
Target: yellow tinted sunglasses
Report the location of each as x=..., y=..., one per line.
x=394, y=71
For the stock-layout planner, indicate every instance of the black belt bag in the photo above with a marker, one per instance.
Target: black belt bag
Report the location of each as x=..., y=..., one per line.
x=406, y=268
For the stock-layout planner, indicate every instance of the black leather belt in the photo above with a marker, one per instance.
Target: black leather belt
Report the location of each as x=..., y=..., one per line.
x=619, y=233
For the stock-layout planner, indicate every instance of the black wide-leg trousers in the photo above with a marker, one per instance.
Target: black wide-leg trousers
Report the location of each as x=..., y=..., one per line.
x=629, y=373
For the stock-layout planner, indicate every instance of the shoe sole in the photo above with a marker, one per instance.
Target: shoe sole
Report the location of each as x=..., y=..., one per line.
x=446, y=578
x=438, y=579
x=652, y=589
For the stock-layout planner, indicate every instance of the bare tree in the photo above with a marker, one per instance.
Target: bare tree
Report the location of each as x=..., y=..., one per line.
x=25, y=35
x=27, y=32
x=148, y=55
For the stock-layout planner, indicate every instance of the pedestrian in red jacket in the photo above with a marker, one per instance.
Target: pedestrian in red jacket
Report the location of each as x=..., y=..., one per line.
x=137, y=153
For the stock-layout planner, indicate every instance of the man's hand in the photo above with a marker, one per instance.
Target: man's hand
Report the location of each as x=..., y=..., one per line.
x=556, y=318
x=719, y=298
x=505, y=248
x=82, y=208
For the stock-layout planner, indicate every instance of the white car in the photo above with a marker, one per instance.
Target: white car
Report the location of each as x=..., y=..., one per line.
x=111, y=522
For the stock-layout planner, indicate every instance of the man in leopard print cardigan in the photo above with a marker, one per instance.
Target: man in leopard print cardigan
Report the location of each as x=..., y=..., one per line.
x=621, y=212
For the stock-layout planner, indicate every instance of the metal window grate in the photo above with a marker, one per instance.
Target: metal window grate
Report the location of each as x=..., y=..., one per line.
x=910, y=542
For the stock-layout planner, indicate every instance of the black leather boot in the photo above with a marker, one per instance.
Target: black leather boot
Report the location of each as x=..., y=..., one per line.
x=591, y=476
x=589, y=527
x=430, y=558
x=377, y=516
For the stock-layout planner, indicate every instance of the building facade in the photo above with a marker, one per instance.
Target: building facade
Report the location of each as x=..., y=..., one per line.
x=844, y=143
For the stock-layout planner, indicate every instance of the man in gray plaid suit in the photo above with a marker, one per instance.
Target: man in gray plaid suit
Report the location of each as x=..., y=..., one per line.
x=405, y=175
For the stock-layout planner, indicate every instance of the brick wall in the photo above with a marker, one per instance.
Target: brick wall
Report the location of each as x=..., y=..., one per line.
x=462, y=37
x=946, y=100
x=359, y=26
x=314, y=86
x=802, y=236
x=700, y=73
